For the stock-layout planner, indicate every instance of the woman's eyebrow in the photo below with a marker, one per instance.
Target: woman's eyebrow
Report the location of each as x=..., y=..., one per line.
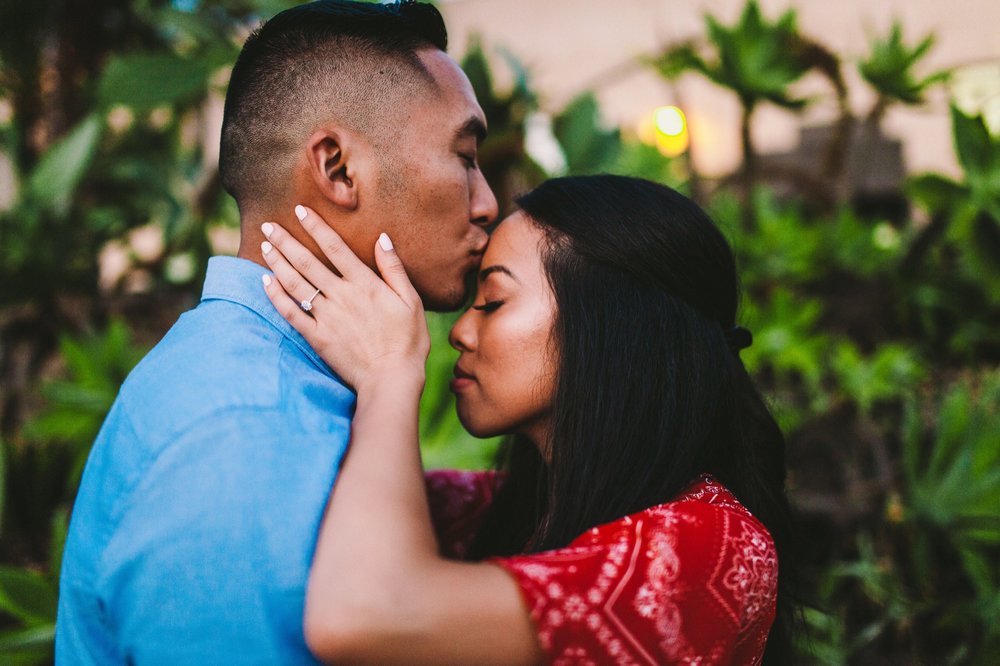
x=496, y=268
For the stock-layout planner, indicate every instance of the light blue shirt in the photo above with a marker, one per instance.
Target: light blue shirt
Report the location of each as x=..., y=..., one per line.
x=196, y=519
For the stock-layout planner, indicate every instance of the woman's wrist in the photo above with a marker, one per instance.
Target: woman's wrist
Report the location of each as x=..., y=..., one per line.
x=398, y=377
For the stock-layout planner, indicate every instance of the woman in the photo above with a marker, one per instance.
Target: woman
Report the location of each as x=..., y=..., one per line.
x=640, y=515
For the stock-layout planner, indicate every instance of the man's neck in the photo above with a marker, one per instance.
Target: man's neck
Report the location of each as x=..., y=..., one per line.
x=251, y=235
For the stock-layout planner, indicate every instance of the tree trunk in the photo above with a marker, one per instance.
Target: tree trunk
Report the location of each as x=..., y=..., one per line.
x=749, y=172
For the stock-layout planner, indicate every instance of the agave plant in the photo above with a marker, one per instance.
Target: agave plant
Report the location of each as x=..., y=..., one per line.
x=102, y=98
x=889, y=69
x=756, y=59
x=961, y=245
x=951, y=478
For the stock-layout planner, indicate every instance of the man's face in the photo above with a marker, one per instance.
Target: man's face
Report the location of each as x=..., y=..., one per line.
x=437, y=211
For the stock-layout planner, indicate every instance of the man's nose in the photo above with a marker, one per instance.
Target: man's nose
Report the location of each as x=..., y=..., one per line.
x=484, y=208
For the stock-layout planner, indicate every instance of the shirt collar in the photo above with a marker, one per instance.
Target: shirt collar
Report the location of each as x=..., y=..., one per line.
x=239, y=281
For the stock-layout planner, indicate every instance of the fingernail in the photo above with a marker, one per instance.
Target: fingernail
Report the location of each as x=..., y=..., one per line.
x=300, y=212
x=266, y=279
x=384, y=241
x=267, y=228
x=266, y=247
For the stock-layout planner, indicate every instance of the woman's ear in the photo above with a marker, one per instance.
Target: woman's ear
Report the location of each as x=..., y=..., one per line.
x=328, y=155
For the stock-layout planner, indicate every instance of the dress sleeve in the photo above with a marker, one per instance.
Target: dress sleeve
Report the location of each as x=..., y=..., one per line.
x=458, y=501
x=685, y=582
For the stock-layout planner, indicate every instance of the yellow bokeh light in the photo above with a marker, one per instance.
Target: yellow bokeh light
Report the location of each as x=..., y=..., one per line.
x=670, y=121
x=666, y=128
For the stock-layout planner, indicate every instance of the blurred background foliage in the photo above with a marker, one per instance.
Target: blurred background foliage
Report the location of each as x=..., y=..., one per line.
x=877, y=336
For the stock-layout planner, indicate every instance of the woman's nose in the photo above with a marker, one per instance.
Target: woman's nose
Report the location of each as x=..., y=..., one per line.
x=461, y=337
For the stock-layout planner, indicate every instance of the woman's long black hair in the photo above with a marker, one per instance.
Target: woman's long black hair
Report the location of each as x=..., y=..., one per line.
x=651, y=391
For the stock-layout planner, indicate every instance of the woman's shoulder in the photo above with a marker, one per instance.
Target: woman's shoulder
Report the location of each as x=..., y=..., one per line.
x=707, y=490
x=693, y=578
x=705, y=505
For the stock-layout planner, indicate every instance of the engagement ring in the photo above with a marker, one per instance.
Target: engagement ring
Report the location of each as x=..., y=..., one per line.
x=307, y=304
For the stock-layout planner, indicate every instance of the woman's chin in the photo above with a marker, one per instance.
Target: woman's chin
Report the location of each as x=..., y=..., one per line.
x=478, y=433
x=476, y=427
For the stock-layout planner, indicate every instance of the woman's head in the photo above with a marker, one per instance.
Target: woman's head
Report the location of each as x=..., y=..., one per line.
x=611, y=268
x=639, y=382
x=505, y=377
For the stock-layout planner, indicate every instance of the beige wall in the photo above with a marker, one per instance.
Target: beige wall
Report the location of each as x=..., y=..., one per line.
x=571, y=45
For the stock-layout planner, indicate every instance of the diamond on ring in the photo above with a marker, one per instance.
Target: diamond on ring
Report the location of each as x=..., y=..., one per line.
x=307, y=304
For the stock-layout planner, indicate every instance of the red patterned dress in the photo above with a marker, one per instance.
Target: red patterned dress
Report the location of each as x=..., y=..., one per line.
x=692, y=581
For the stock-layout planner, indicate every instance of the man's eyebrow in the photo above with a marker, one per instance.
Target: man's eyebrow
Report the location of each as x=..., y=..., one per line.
x=473, y=126
x=496, y=268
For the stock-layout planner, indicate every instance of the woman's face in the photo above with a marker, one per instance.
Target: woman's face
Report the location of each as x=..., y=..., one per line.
x=505, y=376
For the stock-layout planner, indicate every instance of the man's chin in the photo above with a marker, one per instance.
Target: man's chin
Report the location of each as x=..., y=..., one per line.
x=441, y=302
x=455, y=296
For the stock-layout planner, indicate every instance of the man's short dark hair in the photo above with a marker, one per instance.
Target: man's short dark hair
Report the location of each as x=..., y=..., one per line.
x=353, y=62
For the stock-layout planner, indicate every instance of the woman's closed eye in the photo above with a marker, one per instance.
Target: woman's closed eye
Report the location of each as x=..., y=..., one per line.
x=488, y=306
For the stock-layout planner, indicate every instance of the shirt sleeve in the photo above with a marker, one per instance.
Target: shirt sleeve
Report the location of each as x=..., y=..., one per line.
x=686, y=582
x=459, y=501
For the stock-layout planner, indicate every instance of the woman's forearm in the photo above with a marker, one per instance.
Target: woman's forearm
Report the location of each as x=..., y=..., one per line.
x=377, y=532
x=381, y=489
x=378, y=592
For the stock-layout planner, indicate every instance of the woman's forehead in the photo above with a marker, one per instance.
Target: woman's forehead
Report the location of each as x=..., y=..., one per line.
x=517, y=239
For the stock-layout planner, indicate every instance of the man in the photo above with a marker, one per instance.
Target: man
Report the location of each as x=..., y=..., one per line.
x=196, y=519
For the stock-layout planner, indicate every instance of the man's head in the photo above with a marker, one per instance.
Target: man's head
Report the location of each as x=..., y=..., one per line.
x=355, y=110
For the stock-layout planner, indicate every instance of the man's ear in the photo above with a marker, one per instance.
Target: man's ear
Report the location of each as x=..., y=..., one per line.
x=329, y=156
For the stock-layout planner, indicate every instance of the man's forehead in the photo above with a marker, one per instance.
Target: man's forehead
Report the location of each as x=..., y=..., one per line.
x=442, y=66
x=452, y=83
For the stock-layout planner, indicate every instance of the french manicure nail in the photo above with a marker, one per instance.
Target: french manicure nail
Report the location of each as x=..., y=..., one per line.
x=266, y=279
x=267, y=228
x=266, y=247
x=300, y=212
x=385, y=242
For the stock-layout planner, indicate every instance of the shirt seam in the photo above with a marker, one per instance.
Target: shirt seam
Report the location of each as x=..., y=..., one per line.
x=276, y=324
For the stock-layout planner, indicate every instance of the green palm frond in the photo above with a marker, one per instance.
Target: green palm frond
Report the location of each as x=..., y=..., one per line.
x=756, y=59
x=889, y=67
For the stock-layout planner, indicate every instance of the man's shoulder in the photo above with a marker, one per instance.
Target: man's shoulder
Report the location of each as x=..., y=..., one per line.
x=224, y=358
x=238, y=422
x=210, y=349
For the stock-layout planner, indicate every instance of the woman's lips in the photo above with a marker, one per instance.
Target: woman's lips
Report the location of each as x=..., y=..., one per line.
x=462, y=380
x=460, y=384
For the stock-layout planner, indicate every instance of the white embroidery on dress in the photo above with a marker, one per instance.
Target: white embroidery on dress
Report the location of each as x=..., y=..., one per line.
x=743, y=572
x=752, y=578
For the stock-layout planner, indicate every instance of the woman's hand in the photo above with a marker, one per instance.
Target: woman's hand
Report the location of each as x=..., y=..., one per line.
x=364, y=327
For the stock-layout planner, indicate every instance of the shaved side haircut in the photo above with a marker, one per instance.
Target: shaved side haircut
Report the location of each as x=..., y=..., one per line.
x=354, y=63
